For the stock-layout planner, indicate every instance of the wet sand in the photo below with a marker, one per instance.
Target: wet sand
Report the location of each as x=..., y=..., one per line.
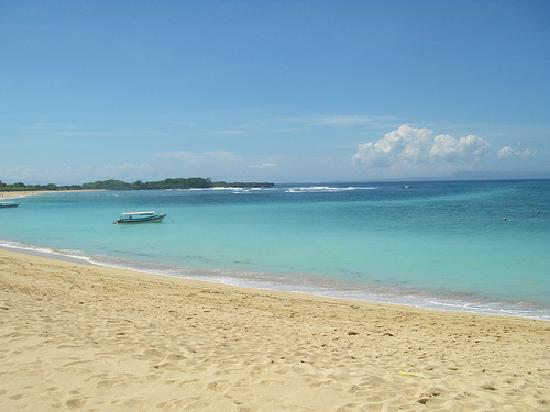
x=93, y=338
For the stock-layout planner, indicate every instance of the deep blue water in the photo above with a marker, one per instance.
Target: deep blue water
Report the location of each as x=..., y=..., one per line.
x=431, y=244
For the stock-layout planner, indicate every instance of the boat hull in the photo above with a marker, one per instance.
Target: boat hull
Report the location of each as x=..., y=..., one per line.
x=8, y=205
x=152, y=219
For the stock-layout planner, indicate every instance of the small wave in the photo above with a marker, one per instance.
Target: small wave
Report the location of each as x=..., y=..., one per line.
x=227, y=189
x=67, y=253
x=320, y=189
x=299, y=283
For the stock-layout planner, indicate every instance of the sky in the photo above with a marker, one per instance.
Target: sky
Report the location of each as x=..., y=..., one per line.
x=283, y=91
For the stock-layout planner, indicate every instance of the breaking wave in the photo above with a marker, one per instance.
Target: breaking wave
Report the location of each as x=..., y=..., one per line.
x=321, y=189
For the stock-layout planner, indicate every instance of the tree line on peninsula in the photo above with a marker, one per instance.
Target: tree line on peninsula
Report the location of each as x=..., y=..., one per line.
x=113, y=184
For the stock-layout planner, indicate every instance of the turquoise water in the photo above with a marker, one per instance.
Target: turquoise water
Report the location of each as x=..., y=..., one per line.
x=433, y=244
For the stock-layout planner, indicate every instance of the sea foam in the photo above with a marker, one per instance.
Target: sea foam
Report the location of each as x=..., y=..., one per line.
x=321, y=189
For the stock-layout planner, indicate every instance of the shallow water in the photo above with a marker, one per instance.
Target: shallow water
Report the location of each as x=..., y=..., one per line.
x=432, y=244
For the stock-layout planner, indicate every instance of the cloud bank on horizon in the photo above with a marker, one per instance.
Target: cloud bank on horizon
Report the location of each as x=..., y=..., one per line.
x=406, y=151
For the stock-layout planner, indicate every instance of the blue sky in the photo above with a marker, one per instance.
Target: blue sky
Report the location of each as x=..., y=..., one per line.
x=279, y=91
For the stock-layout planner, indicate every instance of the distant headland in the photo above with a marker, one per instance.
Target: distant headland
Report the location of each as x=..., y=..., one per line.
x=112, y=184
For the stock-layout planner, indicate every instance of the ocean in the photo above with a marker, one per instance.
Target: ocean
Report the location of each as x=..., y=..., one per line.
x=479, y=246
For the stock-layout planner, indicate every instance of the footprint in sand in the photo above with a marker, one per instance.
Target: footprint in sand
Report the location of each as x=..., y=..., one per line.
x=152, y=353
x=75, y=403
x=105, y=384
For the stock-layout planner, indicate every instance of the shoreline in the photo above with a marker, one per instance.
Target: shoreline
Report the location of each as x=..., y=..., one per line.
x=220, y=277
x=152, y=275
x=96, y=337
x=20, y=194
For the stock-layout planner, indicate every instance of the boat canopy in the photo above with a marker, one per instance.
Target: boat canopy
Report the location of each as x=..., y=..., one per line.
x=138, y=213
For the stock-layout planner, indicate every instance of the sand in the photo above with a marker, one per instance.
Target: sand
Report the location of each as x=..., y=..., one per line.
x=92, y=338
x=24, y=193
x=19, y=194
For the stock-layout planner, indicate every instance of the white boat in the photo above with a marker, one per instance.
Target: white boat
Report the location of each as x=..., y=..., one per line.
x=140, y=217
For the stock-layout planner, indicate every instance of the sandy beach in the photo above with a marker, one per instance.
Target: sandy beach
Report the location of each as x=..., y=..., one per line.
x=27, y=193
x=20, y=194
x=99, y=339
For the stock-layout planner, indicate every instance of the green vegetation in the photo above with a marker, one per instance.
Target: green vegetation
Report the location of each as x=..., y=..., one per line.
x=20, y=186
x=111, y=184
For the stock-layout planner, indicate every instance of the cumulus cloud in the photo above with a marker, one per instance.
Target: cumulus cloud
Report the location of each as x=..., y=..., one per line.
x=409, y=145
x=509, y=152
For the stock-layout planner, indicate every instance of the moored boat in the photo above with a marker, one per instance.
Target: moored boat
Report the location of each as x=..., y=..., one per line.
x=4, y=205
x=140, y=217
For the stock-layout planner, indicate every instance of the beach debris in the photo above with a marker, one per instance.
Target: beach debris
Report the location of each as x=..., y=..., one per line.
x=424, y=397
x=387, y=334
x=413, y=374
x=488, y=387
x=351, y=333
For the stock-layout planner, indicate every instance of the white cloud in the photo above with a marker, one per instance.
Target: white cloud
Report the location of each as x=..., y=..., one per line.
x=191, y=156
x=264, y=166
x=409, y=145
x=334, y=120
x=341, y=120
x=75, y=174
x=509, y=152
x=448, y=148
x=178, y=155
